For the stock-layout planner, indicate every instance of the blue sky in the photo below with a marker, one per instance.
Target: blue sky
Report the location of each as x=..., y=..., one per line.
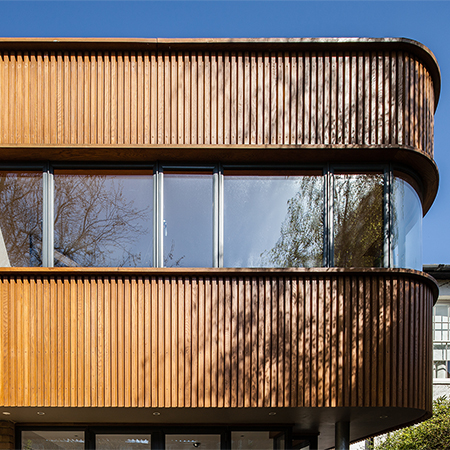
x=425, y=21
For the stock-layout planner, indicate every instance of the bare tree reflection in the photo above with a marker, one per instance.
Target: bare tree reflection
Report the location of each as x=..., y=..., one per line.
x=96, y=222
x=21, y=219
x=170, y=260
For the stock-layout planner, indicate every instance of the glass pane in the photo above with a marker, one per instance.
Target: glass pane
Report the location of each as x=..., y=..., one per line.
x=103, y=219
x=20, y=219
x=407, y=226
x=122, y=441
x=273, y=221
x=441, y=341
x=358, y=220
x=37, y=440
x=302, y=443
x=191, y=441
x=441, y=368
x=188, y=220
x=280, y=443
x=441, y=310
x=261, y=440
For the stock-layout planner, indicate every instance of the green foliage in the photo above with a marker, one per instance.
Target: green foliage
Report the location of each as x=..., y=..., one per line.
x=433, y=434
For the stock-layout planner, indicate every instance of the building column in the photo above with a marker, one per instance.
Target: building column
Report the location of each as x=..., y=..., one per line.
x=7, y=431
x=342, y=436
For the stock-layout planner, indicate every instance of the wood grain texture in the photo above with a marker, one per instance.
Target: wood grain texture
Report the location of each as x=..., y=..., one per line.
x=214, y=98
x=216, y=338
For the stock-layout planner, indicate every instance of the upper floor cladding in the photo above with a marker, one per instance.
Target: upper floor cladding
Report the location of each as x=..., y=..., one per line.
x=307, y=92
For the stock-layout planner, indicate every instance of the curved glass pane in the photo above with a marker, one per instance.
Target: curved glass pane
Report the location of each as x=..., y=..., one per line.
x=188, y=220
x=21, y=219
x=273, y=221
x=358, y=220
x=407, y=226
x=103, y=219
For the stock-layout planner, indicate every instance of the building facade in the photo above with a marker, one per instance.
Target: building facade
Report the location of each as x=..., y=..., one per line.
x=441, y=330
x=214, y=243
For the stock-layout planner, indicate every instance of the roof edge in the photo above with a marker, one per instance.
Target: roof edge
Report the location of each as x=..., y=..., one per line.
x=438, y=271
x=231, y=44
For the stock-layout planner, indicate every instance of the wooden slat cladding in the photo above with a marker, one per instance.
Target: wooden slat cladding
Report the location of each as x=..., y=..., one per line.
x=216, y=98
x=216, y=338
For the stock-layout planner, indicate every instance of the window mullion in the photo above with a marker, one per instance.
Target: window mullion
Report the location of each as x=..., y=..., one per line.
x=158, y=219
x=215, y=217
x=328, y=220
x=218, y=217
x=48, y=217
x=387, y=218
x=221, y=215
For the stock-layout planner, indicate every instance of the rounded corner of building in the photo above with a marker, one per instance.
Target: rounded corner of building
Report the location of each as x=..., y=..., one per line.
x=429, y=58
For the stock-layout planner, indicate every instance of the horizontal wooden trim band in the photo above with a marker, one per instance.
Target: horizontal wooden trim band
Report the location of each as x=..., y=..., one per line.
x=235, y=44
x=223, y=271
x=408, y=157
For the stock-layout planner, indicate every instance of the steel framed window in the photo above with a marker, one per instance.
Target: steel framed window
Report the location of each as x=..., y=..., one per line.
x=217, y=176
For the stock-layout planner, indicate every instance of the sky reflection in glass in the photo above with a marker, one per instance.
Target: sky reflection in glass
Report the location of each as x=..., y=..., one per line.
x=407, y=224
x=273, y=221
x=188, y=220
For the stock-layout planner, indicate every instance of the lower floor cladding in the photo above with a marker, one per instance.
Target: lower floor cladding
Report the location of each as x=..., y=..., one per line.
x=7, y=434
x=217, y=358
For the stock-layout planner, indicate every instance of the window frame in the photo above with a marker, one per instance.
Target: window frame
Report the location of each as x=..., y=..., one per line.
x=388, y=171
x=158, y=208
x=158, y=432
x=445, y=342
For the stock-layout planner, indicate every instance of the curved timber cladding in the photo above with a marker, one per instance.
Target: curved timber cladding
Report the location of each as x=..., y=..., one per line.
x=288, y=97
x=216, y=338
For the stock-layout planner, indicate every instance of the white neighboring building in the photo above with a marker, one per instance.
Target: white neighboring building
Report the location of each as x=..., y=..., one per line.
x=441, y=330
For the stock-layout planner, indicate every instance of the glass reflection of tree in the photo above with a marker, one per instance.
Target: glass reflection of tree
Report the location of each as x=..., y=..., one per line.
x=358, y=224
x=300, y=243
x=358, y=214
x=95, y=223
x=170, y=260
x=21, y=218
